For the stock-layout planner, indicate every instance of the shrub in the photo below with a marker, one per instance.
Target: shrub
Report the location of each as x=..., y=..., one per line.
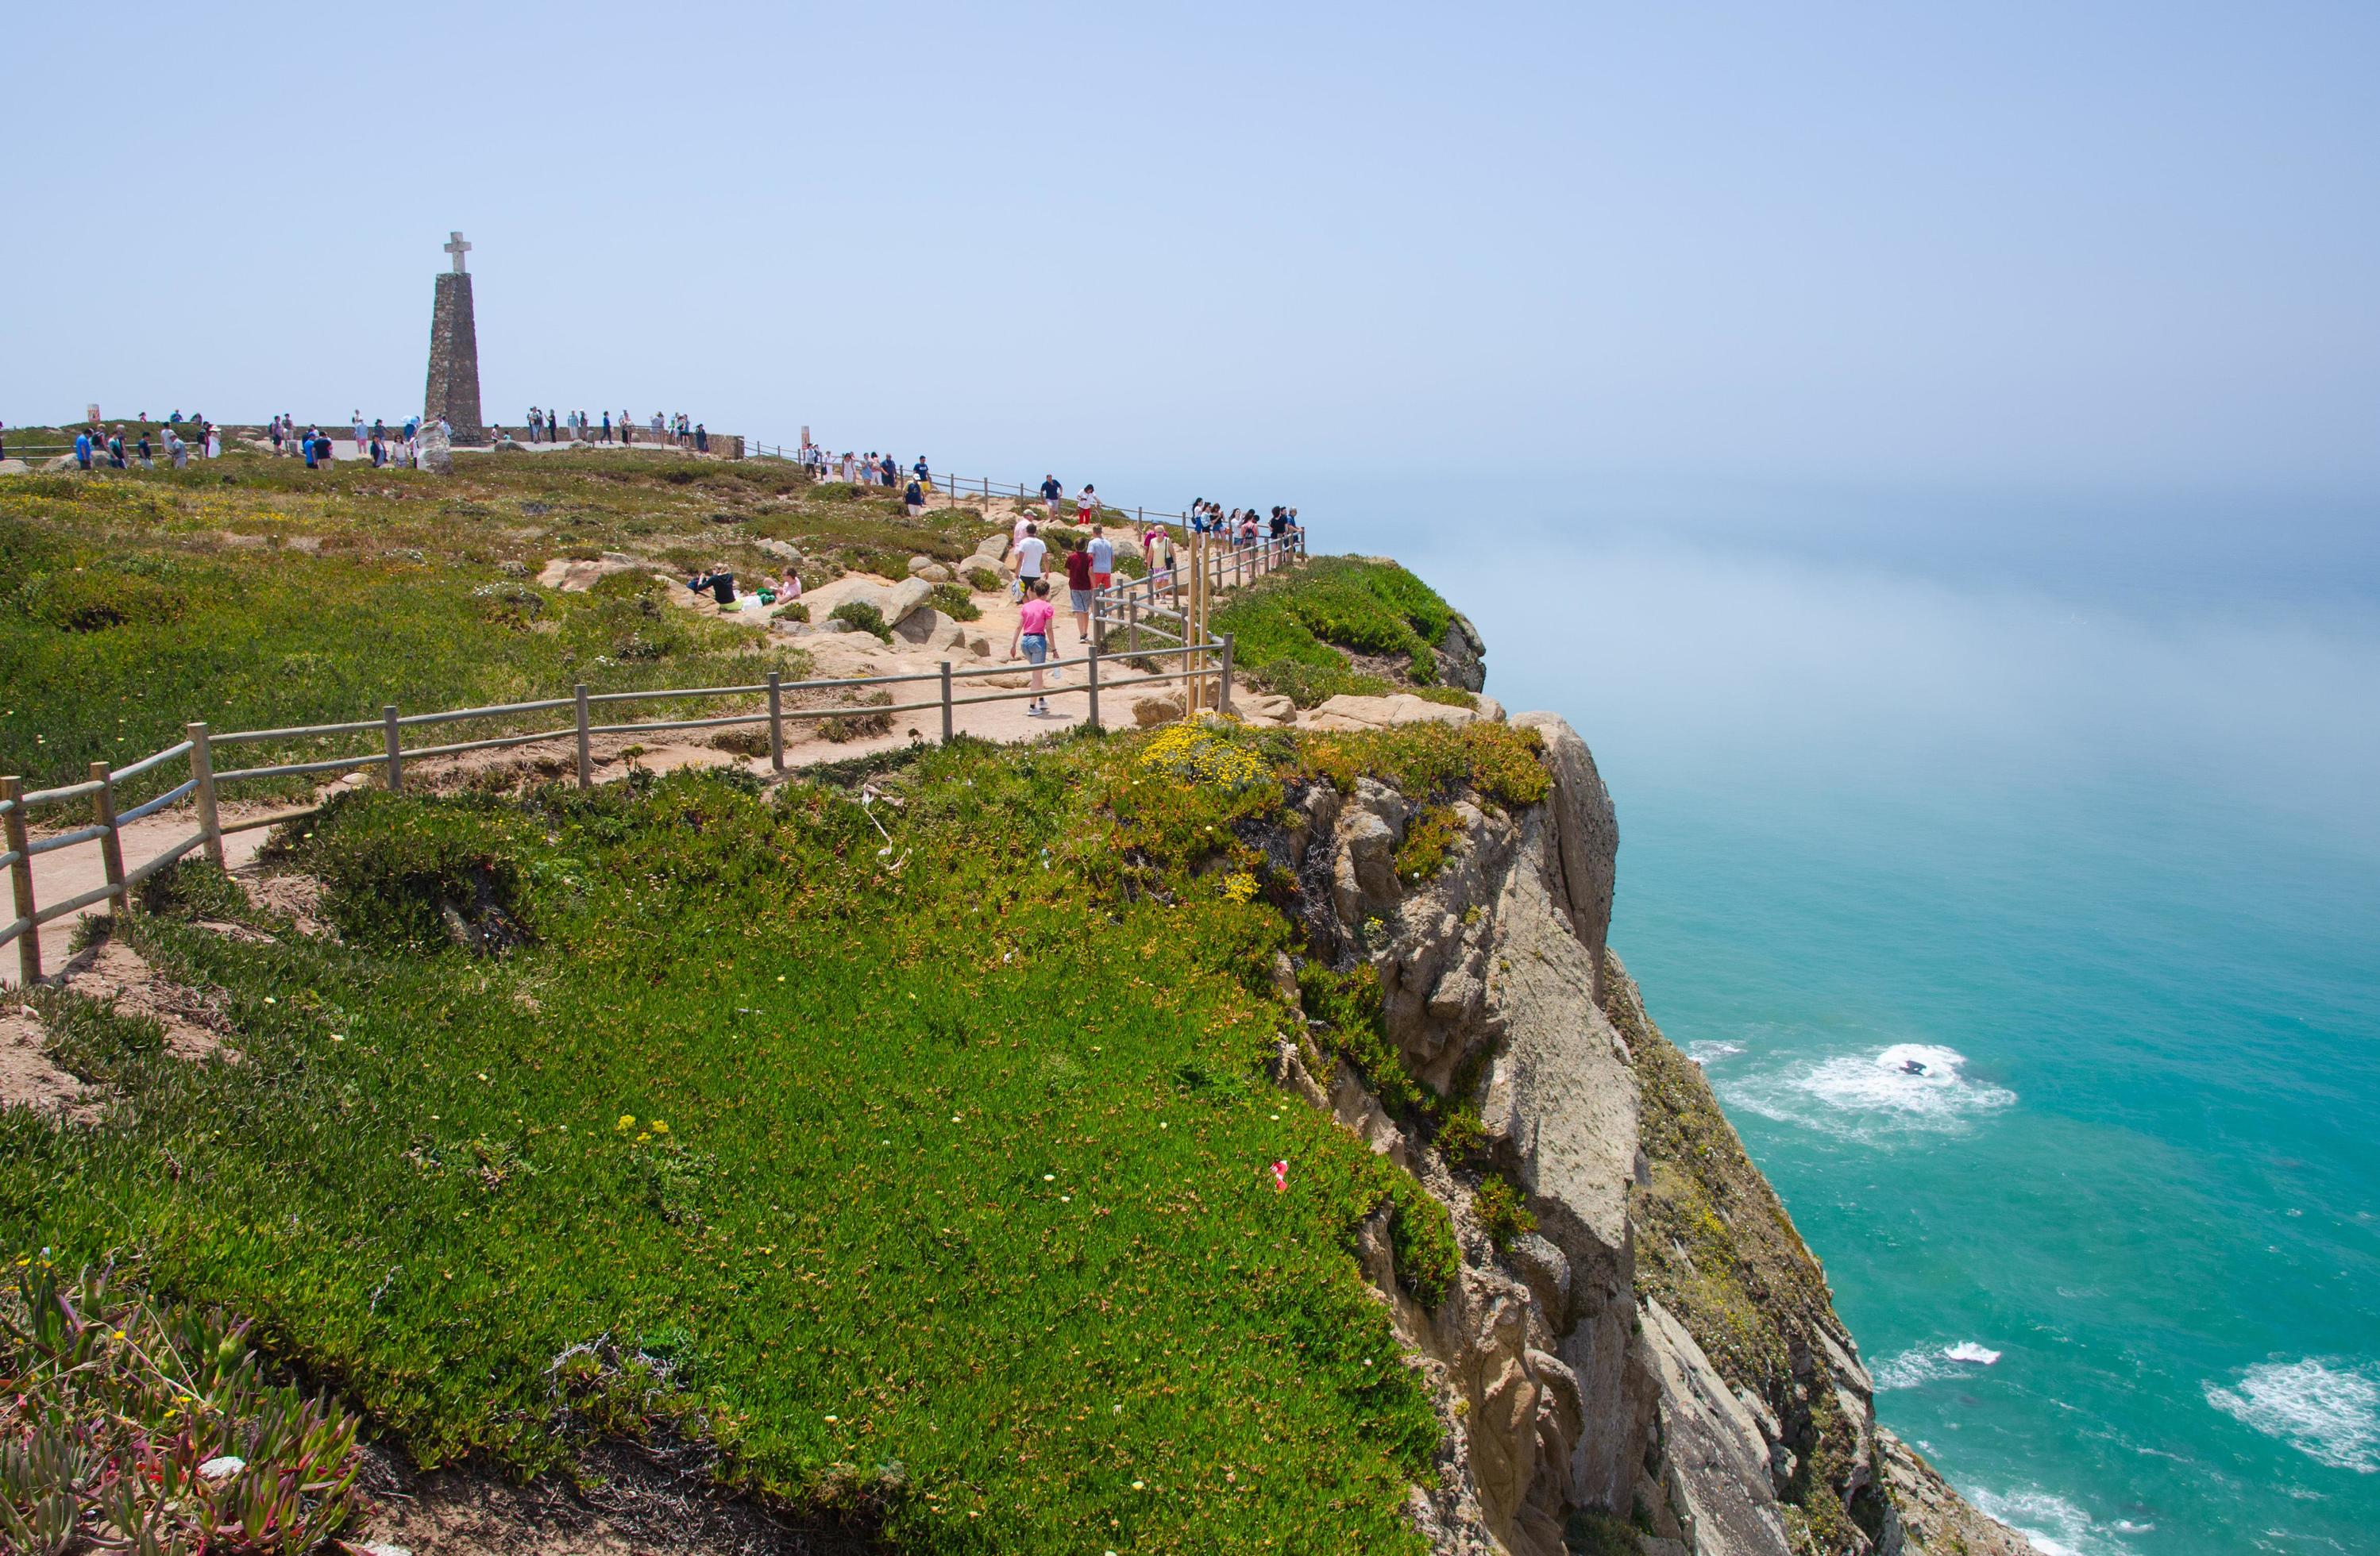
x=92, y=600
x=840, y=727
x=742, y=741
x=1421, y=1235
x=1429, y=838
x=404, y=877
x=864, y=615
x=985, y=581
x=1501, y=1211
x=954, y=602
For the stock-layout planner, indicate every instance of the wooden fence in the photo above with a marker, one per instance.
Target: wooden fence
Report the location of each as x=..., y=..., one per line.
x=1157, y=633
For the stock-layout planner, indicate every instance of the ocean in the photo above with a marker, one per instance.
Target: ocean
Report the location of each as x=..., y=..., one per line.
x=2068, y=799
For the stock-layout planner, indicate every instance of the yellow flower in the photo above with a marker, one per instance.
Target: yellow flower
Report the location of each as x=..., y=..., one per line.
x=660, y=1128
x=627, y=1122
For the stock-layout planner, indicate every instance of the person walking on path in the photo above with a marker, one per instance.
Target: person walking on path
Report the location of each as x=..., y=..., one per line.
x=916, y=499
x=1087, y=507
x=1029, y=552
x=1103, y=560
x=1079, y=588
x=1050, y=492
x=1032, y=636
x=82, y=450
x=177, y=452
x=358, y=419
x=607, y=426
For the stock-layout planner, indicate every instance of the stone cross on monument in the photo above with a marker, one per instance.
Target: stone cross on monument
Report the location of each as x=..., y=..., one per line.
x=453, y=389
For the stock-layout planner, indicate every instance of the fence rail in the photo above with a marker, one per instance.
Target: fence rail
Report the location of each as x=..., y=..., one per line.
x=1150, y=631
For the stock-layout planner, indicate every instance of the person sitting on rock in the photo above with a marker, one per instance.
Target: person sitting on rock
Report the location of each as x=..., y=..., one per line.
x=719, y=580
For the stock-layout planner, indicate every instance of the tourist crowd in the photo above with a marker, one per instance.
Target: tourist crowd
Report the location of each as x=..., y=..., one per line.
x=566, y=426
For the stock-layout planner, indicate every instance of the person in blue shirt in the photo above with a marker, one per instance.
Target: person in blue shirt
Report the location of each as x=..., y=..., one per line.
x=82, y=450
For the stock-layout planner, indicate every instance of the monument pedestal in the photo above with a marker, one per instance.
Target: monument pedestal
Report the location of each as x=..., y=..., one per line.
x=454, y=390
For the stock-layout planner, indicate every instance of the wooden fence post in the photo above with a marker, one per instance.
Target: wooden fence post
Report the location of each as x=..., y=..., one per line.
x=21, y=883
x=1132, y=625
x=202, y=773
x=777, y=721
x=102, y=812
x=946, y=702
x=586, y=746
x=1094, y=657
x=395, y=748
x=1225, y=700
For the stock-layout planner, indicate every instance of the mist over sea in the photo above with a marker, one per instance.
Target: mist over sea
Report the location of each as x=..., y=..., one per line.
x=2072, y=799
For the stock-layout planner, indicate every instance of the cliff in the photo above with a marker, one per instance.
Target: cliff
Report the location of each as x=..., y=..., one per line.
x=1640, y=1354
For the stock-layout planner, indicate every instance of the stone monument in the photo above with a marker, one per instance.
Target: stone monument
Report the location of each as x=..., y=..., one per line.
x=455, y=353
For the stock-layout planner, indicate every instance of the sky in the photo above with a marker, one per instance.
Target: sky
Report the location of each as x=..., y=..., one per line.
x=2115, y=246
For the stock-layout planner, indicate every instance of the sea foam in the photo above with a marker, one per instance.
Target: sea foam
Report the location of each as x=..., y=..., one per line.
x=1712, y=1051
x=1866, y=1096
x=2056, y=1526
x=2329, y=1411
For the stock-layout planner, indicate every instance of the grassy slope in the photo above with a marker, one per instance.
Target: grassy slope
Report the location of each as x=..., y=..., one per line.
x=1287, y=630
x=125, y=613
x=962, y=1199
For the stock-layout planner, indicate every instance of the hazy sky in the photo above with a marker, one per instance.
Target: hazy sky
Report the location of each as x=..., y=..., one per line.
x=2119, y=244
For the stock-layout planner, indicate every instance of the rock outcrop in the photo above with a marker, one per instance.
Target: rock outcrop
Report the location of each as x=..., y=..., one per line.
x=1582, y=1381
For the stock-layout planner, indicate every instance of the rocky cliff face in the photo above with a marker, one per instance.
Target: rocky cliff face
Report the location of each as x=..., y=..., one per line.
x=1656, y=1365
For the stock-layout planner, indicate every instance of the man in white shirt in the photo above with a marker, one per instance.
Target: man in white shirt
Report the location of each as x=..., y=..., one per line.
x=1029, y=554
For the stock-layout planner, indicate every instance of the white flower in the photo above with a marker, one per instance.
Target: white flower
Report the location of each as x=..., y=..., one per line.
x=222, y=1468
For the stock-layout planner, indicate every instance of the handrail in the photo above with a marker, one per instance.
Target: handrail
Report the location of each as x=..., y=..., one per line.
x=1129, y=608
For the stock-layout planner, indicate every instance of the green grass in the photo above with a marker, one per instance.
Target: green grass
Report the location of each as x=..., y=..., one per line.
x=125, y=612
x=938, y=1175
x=1288, y=629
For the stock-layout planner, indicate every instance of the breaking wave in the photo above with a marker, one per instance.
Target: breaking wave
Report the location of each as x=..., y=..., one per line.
x=2331, y=1414
x=1908, y=1088
x=1712, y=1051
x=1923, y=1364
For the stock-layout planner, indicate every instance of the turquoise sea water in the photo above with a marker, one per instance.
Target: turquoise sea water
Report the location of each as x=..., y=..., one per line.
x=2074, y=806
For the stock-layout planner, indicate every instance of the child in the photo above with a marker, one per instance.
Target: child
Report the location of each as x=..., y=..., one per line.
x=1033, y=622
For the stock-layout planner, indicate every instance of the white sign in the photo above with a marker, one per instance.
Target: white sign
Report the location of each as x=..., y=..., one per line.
x=90, y=412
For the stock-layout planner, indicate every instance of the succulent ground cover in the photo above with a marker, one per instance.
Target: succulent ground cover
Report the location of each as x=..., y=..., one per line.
x=909, y=1145
x=249, y=593
x=1288, y=629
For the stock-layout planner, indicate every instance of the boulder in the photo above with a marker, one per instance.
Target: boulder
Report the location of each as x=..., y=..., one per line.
x=932, y=572
x=928, y=627
x=437, y=452
x=1586, y=829
x=14, y=467
x=1161, y=707
x=979, y=646
x=1348, y=711
x=576, y=577
x=781, y=550
x=1262, y=707
x=991, y=547
x=1460, y=653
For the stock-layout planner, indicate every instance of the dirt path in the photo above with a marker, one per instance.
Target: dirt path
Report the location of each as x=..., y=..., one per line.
x=70, y=872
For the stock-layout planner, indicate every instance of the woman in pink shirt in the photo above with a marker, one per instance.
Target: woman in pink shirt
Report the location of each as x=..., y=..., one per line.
x=1033, y=620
